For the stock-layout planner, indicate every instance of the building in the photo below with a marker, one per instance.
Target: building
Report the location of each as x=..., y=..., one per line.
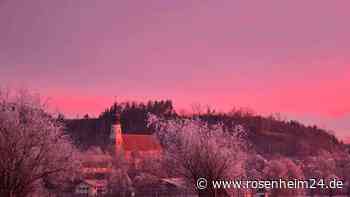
x=91, y=187
x=133, y=147
x=96, y=165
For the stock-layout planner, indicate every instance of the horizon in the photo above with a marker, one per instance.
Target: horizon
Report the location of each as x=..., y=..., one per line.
x=202, y=109
x=272, y=57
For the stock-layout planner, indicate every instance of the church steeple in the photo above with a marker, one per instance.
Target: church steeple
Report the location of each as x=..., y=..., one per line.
x=116, y=134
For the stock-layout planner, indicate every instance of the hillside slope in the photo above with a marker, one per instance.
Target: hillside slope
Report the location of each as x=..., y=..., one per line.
x=268, y=135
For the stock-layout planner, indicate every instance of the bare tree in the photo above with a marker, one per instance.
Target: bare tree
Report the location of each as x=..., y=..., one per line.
x=193, y=149
x=35, y=153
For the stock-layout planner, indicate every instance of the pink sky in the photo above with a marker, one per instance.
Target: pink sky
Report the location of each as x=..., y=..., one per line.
x=290, y=57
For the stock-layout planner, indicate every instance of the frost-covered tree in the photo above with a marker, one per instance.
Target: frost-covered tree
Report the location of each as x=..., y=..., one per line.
x=321, y=166
x=152, y=165
x=255, y=166
x=343, y=168
x=194, y=149
x=119, y=181
x=285, y=169
x=35, y=154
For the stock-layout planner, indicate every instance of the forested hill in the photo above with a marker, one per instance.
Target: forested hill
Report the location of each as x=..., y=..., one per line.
x=268, y=135
x=88, y=132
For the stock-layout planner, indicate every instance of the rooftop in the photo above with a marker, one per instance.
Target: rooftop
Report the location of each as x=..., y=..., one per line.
x=140, y=142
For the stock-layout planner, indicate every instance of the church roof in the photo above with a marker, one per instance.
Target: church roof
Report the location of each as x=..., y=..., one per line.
x=136, y=142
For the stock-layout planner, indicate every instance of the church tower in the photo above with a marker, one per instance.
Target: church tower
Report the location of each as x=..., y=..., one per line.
x=116, y=135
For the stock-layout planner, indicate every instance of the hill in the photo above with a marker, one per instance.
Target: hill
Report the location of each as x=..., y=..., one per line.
x=267, y=135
